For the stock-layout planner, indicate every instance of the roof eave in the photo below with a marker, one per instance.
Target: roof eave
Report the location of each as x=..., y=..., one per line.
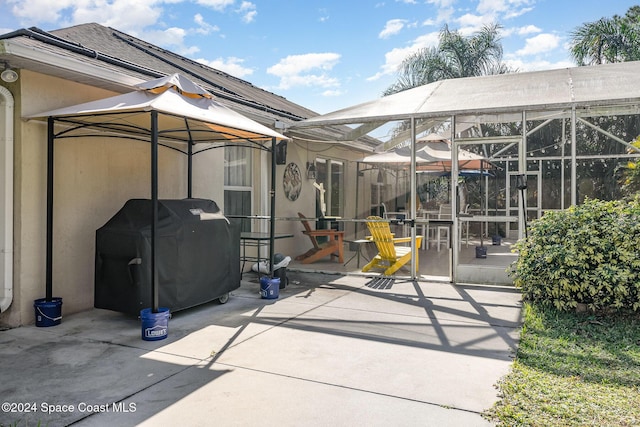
x=66, y=67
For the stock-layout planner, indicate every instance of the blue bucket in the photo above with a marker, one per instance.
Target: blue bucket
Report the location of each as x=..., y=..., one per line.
x=269, y=288
x=155, y=326
x=48, y=313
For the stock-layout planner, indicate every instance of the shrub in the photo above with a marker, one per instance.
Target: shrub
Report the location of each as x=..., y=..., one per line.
x=631, y=179
x=588, y=254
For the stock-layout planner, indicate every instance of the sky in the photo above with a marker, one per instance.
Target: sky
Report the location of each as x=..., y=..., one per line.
x=322, y=54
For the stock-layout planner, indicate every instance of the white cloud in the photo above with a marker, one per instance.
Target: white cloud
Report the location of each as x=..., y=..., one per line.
x=231, y=65
x=218, y=5
x=37, y=11
x=324, y=15
x=470, y=24
x=529, y=29
x=249, y=16
x=516, y=13
x=442, y=3
x=491, y=6
x=136, y=17
x=332, y=92
x=306, y=70
x=394, y=57
x=445, y=12
x=507, y=8
x=520, y=31
x=541, y=43
x=204, y=27
x=492, y=11
x=308, y=80
x=172, y=38
x=392, y=27
x=248, y=11
x=123, y=15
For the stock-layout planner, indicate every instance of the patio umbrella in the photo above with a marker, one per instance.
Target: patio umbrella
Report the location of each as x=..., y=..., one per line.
x=433, y=153
x=435, y=150
x=433, y=157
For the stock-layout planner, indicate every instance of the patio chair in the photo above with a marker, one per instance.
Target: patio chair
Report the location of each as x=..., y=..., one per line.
x=391, y=256
x=333, y=247
x=464, y=227
x=444, y=213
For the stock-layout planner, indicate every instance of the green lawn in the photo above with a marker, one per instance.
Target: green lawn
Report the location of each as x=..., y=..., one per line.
x=572, y=370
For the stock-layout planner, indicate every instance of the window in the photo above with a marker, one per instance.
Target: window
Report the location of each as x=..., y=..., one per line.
x=237, y=184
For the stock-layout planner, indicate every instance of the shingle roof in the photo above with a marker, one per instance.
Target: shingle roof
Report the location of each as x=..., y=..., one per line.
x=120, y=54
x=136, y=51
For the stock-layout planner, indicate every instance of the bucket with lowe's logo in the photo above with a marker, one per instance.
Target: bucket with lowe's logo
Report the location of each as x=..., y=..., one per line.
x=155, y=326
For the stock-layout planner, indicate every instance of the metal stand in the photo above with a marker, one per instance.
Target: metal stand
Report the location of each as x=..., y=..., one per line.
x=521, y=184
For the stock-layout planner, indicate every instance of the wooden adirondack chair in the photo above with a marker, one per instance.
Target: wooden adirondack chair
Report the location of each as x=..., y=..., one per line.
x=333, y=247
x=391, y=256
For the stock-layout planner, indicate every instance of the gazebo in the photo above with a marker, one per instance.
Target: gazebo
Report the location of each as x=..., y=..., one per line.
x=172, y=112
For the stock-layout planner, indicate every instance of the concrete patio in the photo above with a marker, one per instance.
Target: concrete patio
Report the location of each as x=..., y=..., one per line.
x=331, y=350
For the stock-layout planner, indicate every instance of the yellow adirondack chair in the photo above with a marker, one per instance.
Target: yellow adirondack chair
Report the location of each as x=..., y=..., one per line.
x=390, y=255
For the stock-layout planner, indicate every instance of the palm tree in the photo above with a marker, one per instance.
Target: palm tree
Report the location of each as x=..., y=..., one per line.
x=606, y=40
x=455, y=56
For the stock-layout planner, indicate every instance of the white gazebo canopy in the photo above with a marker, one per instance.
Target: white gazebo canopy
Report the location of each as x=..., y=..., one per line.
x=187, y=113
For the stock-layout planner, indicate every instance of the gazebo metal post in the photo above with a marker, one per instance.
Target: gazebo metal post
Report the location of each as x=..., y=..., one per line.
x=49, y=261
x=189, y=161
x=154, y=209
x=272, y=193
x=190, y=169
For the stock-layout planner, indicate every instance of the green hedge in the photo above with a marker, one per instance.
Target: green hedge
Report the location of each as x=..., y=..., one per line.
x=588, y=254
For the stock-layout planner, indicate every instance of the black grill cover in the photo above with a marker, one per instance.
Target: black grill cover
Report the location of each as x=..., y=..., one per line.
x=198, y=256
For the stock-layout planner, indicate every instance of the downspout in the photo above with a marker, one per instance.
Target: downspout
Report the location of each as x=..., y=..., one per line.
x=6, y=198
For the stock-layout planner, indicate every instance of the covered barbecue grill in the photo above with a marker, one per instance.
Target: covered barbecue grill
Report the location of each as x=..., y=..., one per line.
x=198, y=254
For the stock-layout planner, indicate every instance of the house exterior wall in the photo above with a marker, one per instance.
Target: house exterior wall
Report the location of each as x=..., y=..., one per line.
x=93, y=177
x=300, y=153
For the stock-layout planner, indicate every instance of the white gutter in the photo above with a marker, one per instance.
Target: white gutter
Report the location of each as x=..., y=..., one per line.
x=6, y=198
x=70, y=65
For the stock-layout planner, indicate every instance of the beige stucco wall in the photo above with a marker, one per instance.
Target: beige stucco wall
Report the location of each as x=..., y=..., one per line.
x=300, y=152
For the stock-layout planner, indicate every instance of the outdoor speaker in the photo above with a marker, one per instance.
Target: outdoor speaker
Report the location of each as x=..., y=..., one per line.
x=281, y=153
